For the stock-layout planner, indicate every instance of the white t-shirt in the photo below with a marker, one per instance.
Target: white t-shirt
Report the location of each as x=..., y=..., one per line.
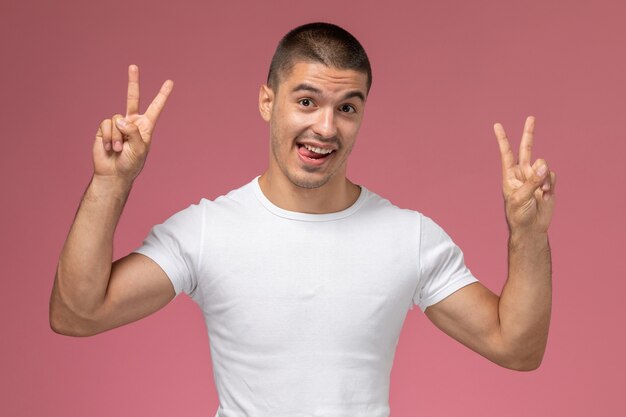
x=304, y=311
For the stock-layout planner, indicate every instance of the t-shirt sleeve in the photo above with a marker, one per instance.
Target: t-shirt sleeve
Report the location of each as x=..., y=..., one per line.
x=442, y=267
x=174, y=245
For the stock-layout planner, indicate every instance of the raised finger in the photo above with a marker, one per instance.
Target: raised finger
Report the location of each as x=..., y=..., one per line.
x=526, y=145
x=116, y=135
x=105, y=133
x=132, y=97
x=158, y=103
x=506, y=154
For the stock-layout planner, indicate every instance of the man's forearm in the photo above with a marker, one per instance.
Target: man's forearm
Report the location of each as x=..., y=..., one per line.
x=526, y=299
x=85, y=263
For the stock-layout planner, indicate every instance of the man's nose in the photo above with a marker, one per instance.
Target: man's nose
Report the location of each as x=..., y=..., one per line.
x=325, y=123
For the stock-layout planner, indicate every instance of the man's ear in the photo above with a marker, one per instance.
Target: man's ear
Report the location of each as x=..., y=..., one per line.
x=266, y=101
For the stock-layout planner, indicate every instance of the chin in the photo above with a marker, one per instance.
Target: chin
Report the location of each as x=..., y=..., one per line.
x=309, y=181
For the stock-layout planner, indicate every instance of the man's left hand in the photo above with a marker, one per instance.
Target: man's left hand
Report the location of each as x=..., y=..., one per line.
x=528, y=189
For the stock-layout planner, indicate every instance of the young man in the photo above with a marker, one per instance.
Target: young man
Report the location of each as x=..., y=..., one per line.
x=304, y=277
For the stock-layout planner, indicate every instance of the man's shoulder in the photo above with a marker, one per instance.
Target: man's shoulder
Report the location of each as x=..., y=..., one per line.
x=387, y=210
x=375, y=201
x=226, y=202
x=241, y=195
x=382, y=208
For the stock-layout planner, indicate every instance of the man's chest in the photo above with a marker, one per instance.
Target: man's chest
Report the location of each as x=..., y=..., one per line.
x=301, y=286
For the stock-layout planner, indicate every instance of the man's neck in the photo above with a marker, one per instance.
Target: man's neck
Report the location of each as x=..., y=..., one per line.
x=336, y=195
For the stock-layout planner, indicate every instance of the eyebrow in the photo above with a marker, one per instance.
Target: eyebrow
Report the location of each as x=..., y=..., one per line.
x=309, y=87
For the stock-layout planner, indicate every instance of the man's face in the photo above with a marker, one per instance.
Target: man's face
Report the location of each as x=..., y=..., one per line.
x=314, y=115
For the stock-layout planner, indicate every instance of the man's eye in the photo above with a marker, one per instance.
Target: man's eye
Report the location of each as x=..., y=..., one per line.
x=347, y=108
x=306, y=102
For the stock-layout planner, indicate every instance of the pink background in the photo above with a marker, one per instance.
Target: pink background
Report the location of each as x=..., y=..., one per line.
x=444, y=72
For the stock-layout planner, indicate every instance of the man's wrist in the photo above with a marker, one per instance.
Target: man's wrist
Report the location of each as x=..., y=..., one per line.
x=107, y=186
x=528, y=239
x=112, y=181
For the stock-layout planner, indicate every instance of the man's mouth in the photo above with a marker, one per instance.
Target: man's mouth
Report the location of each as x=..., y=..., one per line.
x=314, y=152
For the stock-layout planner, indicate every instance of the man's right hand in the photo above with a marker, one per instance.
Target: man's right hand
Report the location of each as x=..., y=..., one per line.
x=92, y=294
x=122, y=143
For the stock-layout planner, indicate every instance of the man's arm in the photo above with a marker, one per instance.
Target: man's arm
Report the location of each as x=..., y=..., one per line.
x=92, y=294
x=511, y=329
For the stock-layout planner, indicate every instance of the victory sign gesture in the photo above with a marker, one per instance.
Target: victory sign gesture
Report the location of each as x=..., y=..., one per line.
x=528, y=189
x=122, y=142
x=92, y=293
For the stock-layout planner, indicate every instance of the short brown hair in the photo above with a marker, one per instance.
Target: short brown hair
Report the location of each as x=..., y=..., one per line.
x=321, y=42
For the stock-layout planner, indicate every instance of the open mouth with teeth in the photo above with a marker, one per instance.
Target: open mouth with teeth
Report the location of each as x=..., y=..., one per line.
x=313, y=153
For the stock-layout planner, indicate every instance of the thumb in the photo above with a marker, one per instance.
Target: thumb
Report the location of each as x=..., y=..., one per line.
x=130, y=132
x=539, y=177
